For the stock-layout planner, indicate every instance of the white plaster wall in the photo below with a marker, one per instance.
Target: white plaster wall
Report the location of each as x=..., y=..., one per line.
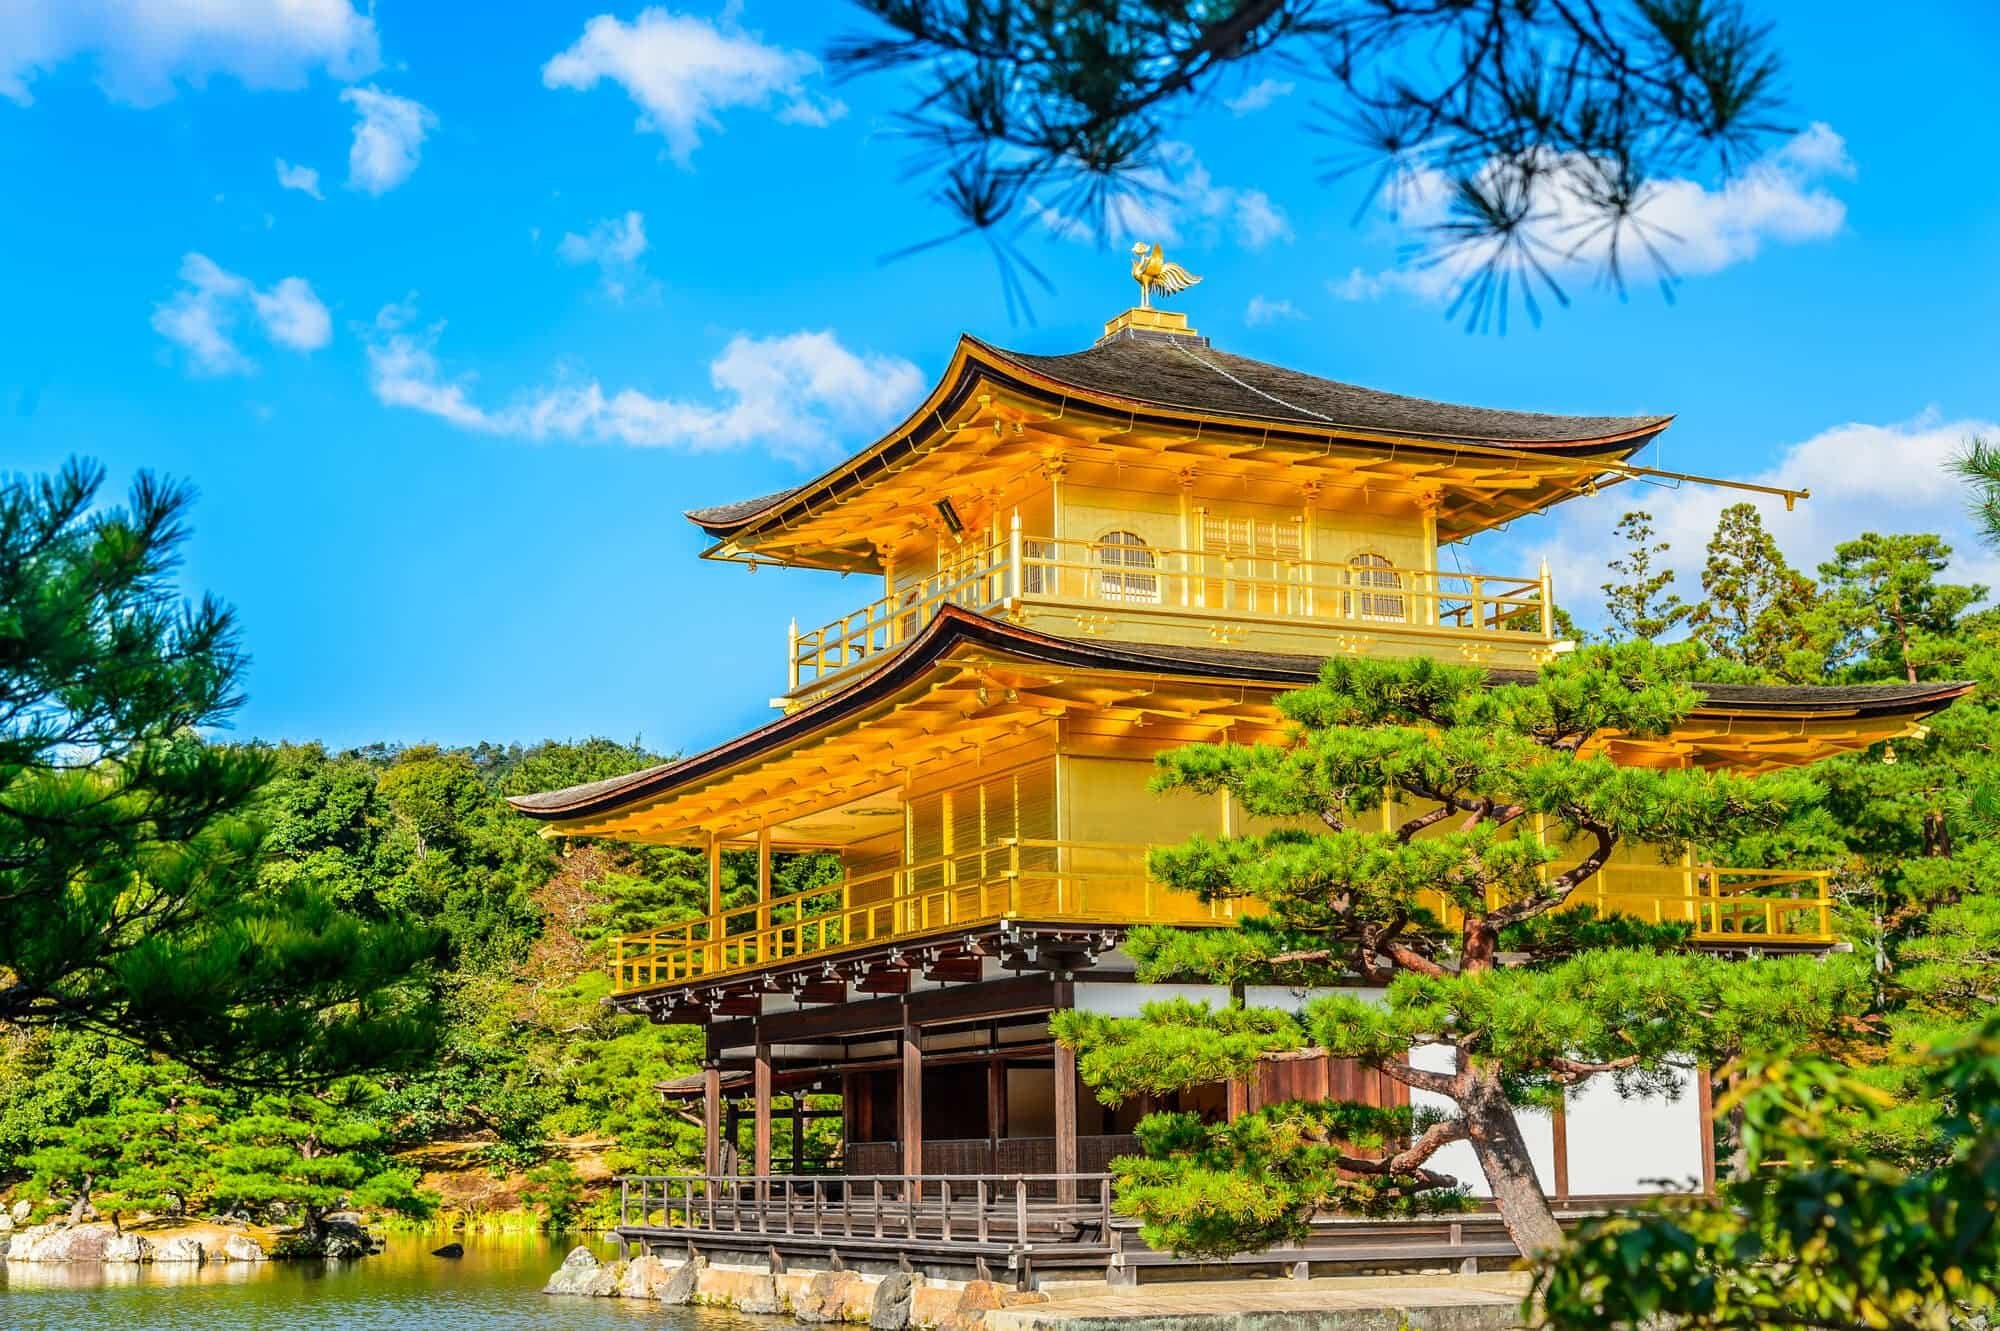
x=1645, y=1144
x=1125, y=1000
x=1287, y=999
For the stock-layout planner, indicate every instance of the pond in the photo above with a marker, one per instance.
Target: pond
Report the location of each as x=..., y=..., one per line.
x=497, y=1284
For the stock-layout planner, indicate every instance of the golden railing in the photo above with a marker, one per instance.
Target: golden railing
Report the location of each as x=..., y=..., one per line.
x=1059, y=882
x=1150, y=578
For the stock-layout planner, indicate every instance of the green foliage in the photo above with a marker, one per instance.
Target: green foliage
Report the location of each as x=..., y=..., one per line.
x=1890, y=616
x=301, y=1156
x=1213, y=1189
x=128, y=853
x=1640, y=598
x=1171, y=1045
x=1757, y=609
x=556, y=1191
x=1813, y=1236
x=1419, y=821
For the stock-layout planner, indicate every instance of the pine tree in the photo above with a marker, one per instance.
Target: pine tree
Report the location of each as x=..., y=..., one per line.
x=300, y=1156
x=129, y=900
x=1640, y=600
x=1423, y=816
x=1893, y=614
x=1757, y=609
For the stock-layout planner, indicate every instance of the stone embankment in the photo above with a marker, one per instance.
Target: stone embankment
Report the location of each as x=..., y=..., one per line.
x=893, y=1302
x=154, y=1241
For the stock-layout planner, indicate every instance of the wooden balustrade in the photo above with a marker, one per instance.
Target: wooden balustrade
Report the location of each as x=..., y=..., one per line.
x=1005, y=1211
x=1100, y=882
x=1142, y=578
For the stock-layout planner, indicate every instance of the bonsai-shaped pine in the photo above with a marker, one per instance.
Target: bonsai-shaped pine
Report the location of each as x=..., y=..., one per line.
x=1422, y=814
x=299, y=1156
x=129, y=902
x=1813, y=1235
x=147, y=1152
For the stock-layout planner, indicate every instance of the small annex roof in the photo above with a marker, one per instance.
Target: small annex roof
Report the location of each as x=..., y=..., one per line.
x=1172, y=382
x=1721, y=705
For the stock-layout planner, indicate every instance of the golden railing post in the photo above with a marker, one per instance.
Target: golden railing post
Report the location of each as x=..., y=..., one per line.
x=1014, y=578
x=792, y=656
x=1548, y=602
x=1478, y=586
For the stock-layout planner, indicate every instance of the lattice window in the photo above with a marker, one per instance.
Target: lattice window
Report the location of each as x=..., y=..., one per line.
x=1120, y=557
x=1378, y=590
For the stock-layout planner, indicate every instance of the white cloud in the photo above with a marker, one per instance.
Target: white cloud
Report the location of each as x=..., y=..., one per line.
x=1259, y=95
x=304, y=179
x=614, y=245
x=388, y=138
x=202, y=316
x=293, y=316
x=682, y=70
x=1863, y=477
x=1781, y=197
x=1264, y=311
x=794, y=394
x=1174, y=202
x=143, y=48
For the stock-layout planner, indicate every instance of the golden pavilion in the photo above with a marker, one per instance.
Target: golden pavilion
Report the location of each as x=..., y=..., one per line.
x=1083, y=560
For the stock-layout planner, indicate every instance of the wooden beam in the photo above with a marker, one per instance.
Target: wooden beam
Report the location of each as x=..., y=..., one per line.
x=761, y=1088
x=1065, y=1122
x=995, y=998
x=910, y=1092
x=996, y=1102
x=711, y=1118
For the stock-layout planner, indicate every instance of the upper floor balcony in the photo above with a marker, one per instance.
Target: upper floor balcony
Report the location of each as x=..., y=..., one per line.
x=1248, y=592
x=1042, y=881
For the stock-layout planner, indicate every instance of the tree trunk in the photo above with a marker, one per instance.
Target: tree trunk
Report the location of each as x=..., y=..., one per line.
x=1503, y=1154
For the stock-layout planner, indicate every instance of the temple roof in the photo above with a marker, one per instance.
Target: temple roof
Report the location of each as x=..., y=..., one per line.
x=955, y=626
x=1172, y=381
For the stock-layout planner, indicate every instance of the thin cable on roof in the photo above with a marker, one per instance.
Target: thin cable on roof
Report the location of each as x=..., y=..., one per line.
x=1269, y=397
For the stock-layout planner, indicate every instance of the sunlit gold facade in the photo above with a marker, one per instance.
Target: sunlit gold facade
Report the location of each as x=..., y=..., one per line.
x=1069, y=582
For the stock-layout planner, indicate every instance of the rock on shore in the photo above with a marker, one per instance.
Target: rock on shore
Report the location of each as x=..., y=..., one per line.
x=889, y=1303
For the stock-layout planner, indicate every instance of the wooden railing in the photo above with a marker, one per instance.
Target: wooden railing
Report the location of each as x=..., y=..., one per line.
x=1150, y=578
x=997, y=1212
x=1103, y=882
x=1051, y=881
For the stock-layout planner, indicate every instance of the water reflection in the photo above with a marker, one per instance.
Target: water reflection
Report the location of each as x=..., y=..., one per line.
x=497, y=1284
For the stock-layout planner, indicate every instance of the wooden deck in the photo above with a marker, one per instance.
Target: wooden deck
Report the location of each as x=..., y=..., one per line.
x=951, y=1224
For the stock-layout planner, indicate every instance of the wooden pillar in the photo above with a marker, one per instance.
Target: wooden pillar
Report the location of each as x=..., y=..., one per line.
x=715, y=878
x=1559, y=1146
x=996, y=1103
x=711, y=1118
x=1704, y=1081
x=1065, y=1121
x=911, y=1119
x=761, y=1091
x=764, y=881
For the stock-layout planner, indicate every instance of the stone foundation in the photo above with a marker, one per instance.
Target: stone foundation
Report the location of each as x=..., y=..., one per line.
x=886, y=1303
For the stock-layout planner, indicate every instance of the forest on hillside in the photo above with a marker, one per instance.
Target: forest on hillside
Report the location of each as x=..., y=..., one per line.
x=531, y=1092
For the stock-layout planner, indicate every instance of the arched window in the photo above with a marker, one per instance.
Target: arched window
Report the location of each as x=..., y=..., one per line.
x=1378, y=589
x=1126, y=569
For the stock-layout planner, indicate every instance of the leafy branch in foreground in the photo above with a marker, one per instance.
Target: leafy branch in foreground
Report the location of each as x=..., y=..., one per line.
x=1543, y=124
x=129, y=901
x=1812, y=1237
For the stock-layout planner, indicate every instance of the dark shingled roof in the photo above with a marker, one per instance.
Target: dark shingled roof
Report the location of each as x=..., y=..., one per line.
x=724, y=514
x=955, y=624
x=1181, y=374
x=1168, y=372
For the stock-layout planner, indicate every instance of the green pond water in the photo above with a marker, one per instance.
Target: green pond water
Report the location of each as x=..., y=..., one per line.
x=497, y=1284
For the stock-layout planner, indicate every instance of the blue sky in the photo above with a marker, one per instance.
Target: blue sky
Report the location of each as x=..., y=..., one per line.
x=567, y=270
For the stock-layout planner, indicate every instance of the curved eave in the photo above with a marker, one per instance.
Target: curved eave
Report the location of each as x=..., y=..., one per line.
x=955, y=626
x=973, y=361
